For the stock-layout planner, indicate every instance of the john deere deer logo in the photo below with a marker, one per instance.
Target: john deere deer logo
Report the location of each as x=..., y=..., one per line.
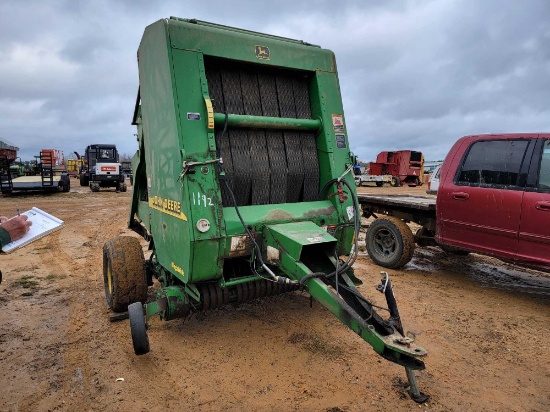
x=262, y=52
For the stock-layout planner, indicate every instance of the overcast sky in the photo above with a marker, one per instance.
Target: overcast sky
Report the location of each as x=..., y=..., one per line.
x=414, y=74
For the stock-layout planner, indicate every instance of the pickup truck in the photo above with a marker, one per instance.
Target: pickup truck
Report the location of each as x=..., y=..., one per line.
x=493, y=199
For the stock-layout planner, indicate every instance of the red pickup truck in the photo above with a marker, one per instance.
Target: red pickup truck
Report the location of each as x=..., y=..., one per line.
x=493, y=199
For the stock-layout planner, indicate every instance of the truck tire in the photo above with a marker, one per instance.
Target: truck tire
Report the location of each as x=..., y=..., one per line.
x=67, y=185
x=379, y=184
x=395, y=182
x=84, y=180
x=140, y=340
x=94, y=187
x=123, y=187
x=124, y=272
x=390, y=242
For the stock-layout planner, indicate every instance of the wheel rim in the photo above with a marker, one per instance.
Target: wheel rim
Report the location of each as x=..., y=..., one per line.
x=109, y=280
x=385, y=243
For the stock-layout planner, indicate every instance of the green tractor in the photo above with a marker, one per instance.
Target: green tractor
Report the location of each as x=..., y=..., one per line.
x=243, y=185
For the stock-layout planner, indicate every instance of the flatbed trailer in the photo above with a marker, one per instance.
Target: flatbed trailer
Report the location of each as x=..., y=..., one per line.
x=390, y=241
x=379, y=180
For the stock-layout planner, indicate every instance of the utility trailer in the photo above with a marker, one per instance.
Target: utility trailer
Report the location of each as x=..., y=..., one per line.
x=243, y=185
x=49, y=175
x=379, y=181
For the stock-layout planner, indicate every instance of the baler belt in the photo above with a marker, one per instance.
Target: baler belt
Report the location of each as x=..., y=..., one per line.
x=223, y=145
x=238, y=138
x=274, y=140
x=294, y=159
x=258, y=153
x=264, y=166
x=307, y=141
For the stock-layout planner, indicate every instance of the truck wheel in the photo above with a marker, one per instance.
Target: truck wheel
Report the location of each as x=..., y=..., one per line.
x=67, y=185
x=140, y=340
x=453, y=250
x=395, y=181
x=94, y=187
x=123, y=187
x=390, y=242
x=84, y=180
x=379, y=184
x=124, y=272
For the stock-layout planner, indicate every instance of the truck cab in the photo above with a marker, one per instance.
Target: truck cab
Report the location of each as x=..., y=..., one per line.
x=494, y=197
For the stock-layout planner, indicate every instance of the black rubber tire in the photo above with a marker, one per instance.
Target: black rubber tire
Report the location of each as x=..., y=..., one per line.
x=138, y=329
x=454, y=250
x=123, y=187
x=124, y=273
x=84, y=181
x=67, y=185
x=379, y=184
x=395, y=182
x=390, y=242
x=94, y=187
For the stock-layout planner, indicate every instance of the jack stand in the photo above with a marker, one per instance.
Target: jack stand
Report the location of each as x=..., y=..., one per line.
x=386, y=288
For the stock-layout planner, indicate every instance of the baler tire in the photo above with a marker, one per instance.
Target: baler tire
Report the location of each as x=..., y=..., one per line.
x=124, y=274
x=395, y=182
x=379, y=184
x=390, y=242
x=138, y=329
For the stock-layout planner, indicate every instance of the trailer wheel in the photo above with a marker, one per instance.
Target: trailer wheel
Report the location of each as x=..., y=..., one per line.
x=379, y=184
x=390, y=242
x=67, y=185
x=395, y=181
x=124, y=272
x=140, y=340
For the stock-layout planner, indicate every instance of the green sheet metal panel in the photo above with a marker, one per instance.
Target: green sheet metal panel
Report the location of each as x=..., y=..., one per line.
x=160, y=118
x=246, y=46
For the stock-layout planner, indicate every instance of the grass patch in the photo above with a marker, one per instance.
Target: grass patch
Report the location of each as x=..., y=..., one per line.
x=26, y=282
x=52, y=277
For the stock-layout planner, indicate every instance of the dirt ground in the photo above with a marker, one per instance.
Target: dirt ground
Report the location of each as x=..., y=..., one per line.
x=484, y=323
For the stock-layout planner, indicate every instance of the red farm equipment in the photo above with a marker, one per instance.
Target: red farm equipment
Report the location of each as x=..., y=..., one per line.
x=406, y=166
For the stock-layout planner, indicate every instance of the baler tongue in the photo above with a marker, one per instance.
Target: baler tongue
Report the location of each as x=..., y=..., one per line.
x=307, y=253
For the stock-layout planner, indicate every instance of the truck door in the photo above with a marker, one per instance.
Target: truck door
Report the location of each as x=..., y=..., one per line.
x=534, y=236
x=480, y=208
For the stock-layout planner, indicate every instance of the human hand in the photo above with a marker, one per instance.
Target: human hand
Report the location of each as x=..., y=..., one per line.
x=16, y=227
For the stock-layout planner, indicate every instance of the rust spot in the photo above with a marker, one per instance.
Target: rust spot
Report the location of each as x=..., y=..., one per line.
x=326, y=211
x=279, y=214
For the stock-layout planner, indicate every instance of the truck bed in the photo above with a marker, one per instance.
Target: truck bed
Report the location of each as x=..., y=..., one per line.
x=425, y=203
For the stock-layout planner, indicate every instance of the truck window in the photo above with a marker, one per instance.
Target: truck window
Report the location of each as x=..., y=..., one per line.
x=544, y=174
x=493, y=162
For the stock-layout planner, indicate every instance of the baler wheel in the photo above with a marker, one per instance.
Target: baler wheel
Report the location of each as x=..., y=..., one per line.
x=140, y=340
x=390, y=242
x=379, y=184
x=124, y=272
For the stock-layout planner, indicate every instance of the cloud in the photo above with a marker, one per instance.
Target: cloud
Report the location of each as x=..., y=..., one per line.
x=413, y=74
